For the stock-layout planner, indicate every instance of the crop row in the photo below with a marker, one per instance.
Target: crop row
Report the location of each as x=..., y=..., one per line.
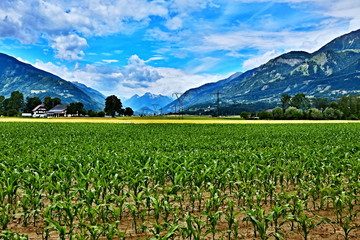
x=114, y=181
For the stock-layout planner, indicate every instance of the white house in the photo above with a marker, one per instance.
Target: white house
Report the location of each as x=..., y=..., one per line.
x=39, y=111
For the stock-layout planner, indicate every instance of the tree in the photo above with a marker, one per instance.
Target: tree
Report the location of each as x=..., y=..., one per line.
x=264, y=115
x=300, y=101
x=293, y=113
x=31, y=103
x=278, y=113
x=16, y=101
x=101, y=114
x=2, y=107
x=91, y=113
x=285, y=101
x=51, y=102
x=76, y=108
x=128, y=111
x=112, y=105
x=314, y=114
x=245, y=115
x=320, y=103
x=332, y=114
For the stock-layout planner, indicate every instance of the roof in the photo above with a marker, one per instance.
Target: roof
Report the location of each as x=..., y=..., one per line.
x=60, y=108
x=37, y=107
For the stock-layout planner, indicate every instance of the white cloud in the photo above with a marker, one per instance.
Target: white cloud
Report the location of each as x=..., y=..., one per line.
x=124, y=83
x=138, y=71
x=110, y=60
x=174, y=23
x=69, y=47
x=260, y=59
x=266, y=41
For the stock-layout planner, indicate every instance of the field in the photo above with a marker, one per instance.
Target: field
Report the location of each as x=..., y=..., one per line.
x=179, y=181
x=168, y=119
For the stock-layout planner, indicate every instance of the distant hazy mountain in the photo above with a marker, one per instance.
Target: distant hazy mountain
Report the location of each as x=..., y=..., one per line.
x=19, y=76
x=147, y=100
x=332, y=71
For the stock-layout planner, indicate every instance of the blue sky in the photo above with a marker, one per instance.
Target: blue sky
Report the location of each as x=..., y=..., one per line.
x=127, y=47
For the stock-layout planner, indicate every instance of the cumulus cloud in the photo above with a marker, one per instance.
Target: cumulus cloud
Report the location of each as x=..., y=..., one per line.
x=174, y=23
x=69, y=47
x=138, y=71
x=136, y=78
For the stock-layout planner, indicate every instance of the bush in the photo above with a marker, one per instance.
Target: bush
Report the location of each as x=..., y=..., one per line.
x=91, y=113
x=101, y=114
x=245, y=115
x=278, y=113
x=265, y=115
x=293, y=113
x=12, y=113
x=332, y=114
x=314, y=114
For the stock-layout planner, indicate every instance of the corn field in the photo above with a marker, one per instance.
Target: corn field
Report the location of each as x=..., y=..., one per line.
x=171, y=181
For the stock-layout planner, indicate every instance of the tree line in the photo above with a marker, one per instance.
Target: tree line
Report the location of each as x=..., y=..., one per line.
x=16, y=104
x=302, y=107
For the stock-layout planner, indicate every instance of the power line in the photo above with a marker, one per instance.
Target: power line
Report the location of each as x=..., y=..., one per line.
x=217, y=93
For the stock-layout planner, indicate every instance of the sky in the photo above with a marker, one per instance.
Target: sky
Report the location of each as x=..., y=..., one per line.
x=127, y=47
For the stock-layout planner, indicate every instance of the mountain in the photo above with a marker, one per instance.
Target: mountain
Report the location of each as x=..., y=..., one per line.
x=147, y=100
x=22, y=77
x=332, y=71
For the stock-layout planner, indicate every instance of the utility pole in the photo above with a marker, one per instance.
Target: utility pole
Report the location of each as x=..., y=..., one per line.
x=155, y=108
x=180, y=98
x=217, y=93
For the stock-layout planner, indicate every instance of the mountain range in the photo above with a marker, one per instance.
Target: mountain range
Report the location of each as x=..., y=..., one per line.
x=332, y=71
x=25, y=78
x=147, y=101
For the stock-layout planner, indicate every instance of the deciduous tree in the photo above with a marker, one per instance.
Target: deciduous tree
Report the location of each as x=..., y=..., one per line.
x=112, y=105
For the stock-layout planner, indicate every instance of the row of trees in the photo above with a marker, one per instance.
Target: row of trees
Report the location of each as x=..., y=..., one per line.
x=302, y=107
x=113, y=105
x=16, y=104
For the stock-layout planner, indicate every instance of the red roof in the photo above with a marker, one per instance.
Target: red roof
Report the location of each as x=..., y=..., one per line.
x=37, y=107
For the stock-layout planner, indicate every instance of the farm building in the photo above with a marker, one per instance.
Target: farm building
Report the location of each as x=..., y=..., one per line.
x=39, y=111
x=58, y=111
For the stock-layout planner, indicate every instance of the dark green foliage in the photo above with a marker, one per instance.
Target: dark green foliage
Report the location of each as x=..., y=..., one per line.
x=15, y=102
x=31, y=103
x=278, y=113
x=91, y=113
x=100, y=114
x=350, y=106
x=128, y=111
x=293, y=113
x=314, y=114
x=51, y=102
x=265, y=115
x=285, y=101
x=300, y=101
x=320, y=103
x=245, y=115
x=112, y=105
x=76, y=108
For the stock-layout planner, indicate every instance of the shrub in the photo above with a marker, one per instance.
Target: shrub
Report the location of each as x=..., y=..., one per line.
x=101, y=114
x=245, y=115
x=278, y=113
x=332, y=114
x=293, y=113
x=314, y=114
x=265, y=115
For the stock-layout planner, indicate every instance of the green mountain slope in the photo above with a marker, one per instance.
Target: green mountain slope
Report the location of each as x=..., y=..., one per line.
x=19, y=76
x=332, y=71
